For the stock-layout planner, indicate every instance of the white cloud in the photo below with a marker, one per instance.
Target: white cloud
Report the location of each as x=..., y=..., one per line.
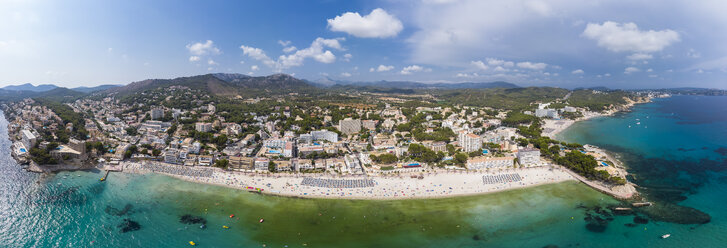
x=377, y=24
x=289, y=49
x=254, y=68
x=693, y=53
x=631, y=69
x=257, y=54
x=200, y=49
x=607, y=74
x=466, y=75
x=372, y=69
x=577, y=72
x=384, y=68
x=315, y=51
x=499, y=69
x=496, y=62
x=639, y=56
x=650, y=70
x=627, y=37
x=211, y=62
x=479, y=64
x=413, y=68
x=345, y=74
x=284, y=43
x=539, y=7
x=347, y=57
x=194, y=58
x=532, y=66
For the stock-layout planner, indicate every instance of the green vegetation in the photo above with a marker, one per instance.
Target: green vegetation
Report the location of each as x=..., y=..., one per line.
x=422, y=154
x=508, y=99
x=585, y=165
x=222, y=163
x=271, y=166
x=42, y=156
x=574, y=160
x=68, y=116
x=386, y=158
x=516, y=118
x=132, y=131
x=571, y=115
x=597, y=101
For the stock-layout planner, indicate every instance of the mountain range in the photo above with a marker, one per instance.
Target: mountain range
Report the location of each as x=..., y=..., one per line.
x=48, y=87
x=231, y=84
x=328, y=82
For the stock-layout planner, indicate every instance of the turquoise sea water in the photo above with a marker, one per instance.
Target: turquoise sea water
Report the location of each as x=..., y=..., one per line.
x=75, y=209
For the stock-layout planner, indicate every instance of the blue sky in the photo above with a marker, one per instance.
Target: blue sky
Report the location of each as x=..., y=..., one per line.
x=618, y=44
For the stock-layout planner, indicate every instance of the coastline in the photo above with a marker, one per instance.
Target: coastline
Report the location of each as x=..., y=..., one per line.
x=622, y=192
x=440, y=184
x=450, y=183
x=558, y=126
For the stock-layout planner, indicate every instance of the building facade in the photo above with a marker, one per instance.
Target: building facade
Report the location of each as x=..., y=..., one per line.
x=203, y=127
x=349, y=126
x=480, y=163
x=469, y=142
x=528, y=156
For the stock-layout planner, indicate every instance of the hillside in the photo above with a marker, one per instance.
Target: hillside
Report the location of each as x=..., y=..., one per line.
x=30, y=87
x=222, y=85
x=58, y=94
x=85, y=89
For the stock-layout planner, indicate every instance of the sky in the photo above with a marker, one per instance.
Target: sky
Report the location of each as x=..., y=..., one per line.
x=566, y=43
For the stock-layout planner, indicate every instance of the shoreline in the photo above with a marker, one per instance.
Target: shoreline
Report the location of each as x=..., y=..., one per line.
x=432, y=186
x=621, y=192
x=557, y=127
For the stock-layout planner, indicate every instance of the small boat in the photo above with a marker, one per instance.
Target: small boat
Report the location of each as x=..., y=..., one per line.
x=261, y=220
x=202, y=226
x=192, y=243
x=102, y=179
x=665, y=236
x=638, y=123
x=225, y=227
x=232, y=216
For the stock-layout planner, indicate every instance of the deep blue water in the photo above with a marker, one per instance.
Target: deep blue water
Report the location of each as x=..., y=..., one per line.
x=676, y=150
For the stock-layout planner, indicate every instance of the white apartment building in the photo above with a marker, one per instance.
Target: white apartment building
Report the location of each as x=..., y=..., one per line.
x=469, y=142
x=528, y=156
x=203, y=127
x=349, y=126
x=480, y=163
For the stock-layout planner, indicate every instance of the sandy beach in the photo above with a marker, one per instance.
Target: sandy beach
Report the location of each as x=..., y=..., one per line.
x=432, y=185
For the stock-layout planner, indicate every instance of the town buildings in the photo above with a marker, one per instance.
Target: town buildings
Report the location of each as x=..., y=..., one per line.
x=156, y=113
x=482, y=162
x=203, y=127
x=469, y=142
x=349, y=126
x=528, y=156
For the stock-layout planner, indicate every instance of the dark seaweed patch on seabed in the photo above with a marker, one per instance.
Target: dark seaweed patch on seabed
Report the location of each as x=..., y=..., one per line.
x=661, y=181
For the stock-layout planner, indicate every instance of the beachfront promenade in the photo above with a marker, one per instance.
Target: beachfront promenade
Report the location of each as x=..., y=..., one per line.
x=436, y=184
